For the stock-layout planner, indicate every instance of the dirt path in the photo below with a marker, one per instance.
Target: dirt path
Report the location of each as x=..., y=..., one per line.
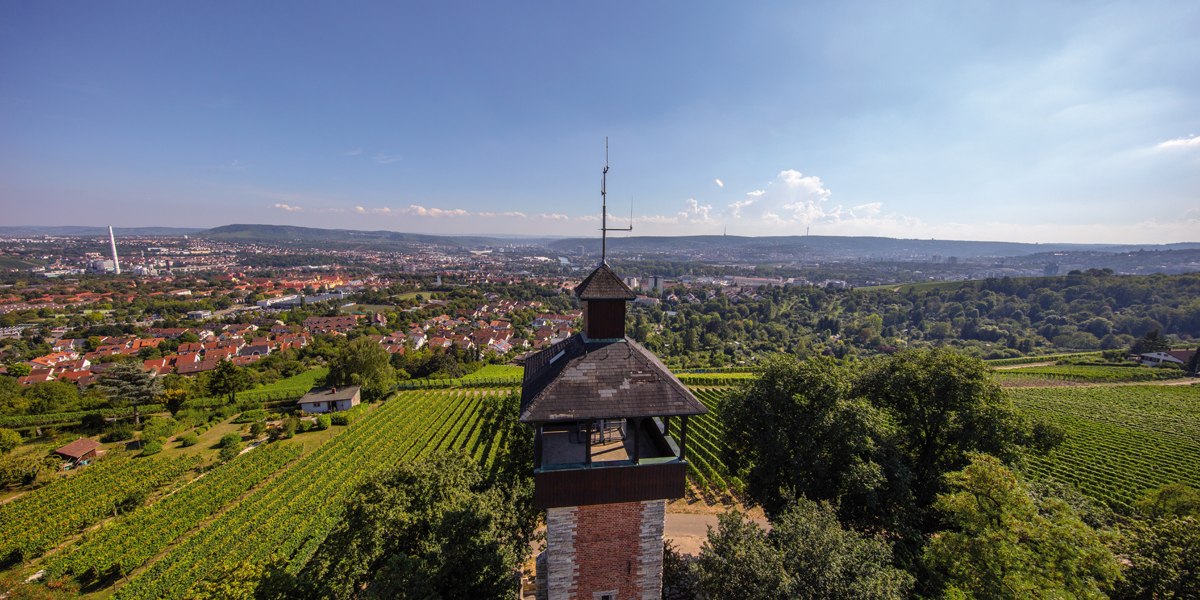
x=1024, y=365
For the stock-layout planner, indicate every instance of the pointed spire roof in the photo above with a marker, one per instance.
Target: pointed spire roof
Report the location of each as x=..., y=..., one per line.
x=603, y=284
x=576, y=379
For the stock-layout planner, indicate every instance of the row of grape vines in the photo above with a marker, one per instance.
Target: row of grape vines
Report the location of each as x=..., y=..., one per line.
x=1120, y=440
x=291, y=515
x=1093, y=373
x=40, y=520
x=706, y=443
x=124, y=545
x=74, y=417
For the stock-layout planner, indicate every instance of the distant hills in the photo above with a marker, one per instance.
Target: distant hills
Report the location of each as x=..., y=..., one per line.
x=842, y=246
x=89, y=231
x=698, y=246
x=288, y=233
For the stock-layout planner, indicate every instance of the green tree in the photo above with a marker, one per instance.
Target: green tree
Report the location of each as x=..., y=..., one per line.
x=9, y=440
x=159, y=429
x=1174, y=500
x=1153, y=341
x=943, y=407
x=12, y=401
x=1163, y=559
x=52, y=396
x=435, y=528
x=1004, y=544
x=795, y=430
x=364, y=363
x=126, y=384
x=807, y=554
x=323, y=422
x=19, y=369
x=230, y=452
x=228, y=379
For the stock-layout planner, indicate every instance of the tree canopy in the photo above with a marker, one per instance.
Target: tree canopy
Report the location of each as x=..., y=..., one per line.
x=128, y=385
x=806, y=554
x=434, y=528
x=228, y=379
x=364, y=363
x=1004, y=544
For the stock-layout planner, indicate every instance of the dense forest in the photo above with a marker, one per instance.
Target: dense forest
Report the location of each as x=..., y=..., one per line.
x=993, y=318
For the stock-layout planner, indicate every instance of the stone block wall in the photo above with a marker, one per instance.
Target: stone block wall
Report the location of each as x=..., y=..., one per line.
x=605, y=548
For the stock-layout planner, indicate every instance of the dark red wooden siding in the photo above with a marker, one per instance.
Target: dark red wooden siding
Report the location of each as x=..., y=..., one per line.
x=605, y=485
x=604, y=319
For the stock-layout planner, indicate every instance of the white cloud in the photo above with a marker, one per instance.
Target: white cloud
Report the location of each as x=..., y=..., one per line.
x=515, y=214
x=287, y=207
x=694, y=212
x=382, y=158
x=1192, y=141
x=417, y=210
x=719, y=183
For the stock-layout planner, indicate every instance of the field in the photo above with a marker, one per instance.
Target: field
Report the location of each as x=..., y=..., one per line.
x=1090, y=373
x=1121, y=440
x=275, y=503
x=269, y=503
x=497, y=372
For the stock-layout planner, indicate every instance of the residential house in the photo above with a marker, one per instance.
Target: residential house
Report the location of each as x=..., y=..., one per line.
x=330, y=399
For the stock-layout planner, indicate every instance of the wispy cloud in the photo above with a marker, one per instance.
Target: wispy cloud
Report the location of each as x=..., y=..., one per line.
x=1192, y=141
x=719, y=183
x=287, y=207
x=383, y=158
x=354, y=152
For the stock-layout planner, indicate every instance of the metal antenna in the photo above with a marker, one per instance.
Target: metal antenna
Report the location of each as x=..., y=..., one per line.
x=604, y=228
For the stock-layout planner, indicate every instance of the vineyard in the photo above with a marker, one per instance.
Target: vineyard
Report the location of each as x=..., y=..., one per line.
x=75, y=417
x=1091, y=373
x=706, y=443
x=38, y=521
x=273, y=505
x=124, y=545
x=1121, y=440
x=289, y=516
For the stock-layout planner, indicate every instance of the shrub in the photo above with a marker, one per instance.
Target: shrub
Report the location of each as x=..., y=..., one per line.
x=323, y=422
x=230, y=439
x=189, y=439
x=304, y=426
x=251, y=416
x=118, y=433
x=228, y=453
x=9, y=439
x=152, y=447
x=257, y=429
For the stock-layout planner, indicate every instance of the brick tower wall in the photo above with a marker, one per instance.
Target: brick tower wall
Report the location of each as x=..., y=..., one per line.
x=605, y=548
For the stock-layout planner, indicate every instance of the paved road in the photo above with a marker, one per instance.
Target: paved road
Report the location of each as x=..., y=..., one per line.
x=688, y=531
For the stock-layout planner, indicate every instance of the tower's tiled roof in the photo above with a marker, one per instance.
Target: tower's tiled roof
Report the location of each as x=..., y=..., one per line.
x=603, y=284
x=577, y=380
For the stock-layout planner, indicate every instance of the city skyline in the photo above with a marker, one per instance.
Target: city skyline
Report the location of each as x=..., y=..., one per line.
x=996, y=121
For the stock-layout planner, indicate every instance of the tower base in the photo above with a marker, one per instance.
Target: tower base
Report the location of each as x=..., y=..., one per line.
x=603, y=552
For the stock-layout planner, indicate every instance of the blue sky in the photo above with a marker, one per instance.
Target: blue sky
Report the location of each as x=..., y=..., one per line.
x=1024, y=121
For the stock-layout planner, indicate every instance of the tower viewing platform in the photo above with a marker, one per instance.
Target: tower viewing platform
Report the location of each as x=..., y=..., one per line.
x=610, y=447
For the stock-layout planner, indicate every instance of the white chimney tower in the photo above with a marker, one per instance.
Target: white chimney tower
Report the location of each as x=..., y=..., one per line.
x=112, y=239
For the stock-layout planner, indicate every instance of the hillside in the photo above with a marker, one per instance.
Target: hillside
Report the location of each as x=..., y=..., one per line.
x=288, y=233
x=843, y=246
x=90, y=231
